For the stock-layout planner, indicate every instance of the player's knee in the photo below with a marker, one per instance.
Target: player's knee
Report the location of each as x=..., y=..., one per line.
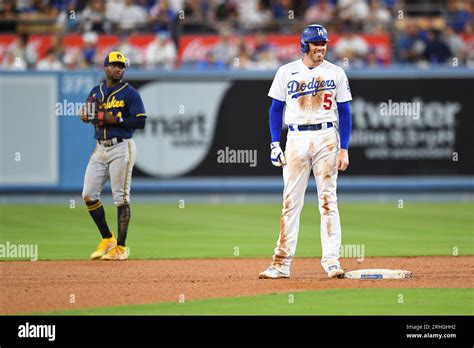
x=120, y=199
x=327, y=204
x=88, y=199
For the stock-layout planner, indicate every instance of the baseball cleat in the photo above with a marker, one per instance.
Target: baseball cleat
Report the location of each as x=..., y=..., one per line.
x=105, y=245
x=273, y=273
x=116, y=254
x=335, y=271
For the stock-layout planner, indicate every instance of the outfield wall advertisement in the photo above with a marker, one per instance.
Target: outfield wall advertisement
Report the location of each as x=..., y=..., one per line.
x=29, y=147
x=213, y=129
x=181, y=126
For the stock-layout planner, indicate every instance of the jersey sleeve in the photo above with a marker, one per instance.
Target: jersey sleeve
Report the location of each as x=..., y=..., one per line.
x=278, y=90
x=136, y=107
x=343, y=91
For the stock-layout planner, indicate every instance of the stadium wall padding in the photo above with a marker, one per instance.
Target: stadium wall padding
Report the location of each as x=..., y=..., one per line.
x=208, y=132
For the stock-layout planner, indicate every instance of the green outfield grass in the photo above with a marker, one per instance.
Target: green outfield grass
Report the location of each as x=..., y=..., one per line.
x=322, y=302
x=214, y=230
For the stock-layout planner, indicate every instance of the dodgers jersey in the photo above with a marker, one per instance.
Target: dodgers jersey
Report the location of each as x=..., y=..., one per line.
x=310, y=94
x=123, y=101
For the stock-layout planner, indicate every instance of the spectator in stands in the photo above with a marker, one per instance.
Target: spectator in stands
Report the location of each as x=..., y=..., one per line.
x=69, y=19
x=263, y=55
x=456, y=45
x=351, y=48
x=409, y=45
x=266, y=60
x=224, y=51
x=12, y=62
x=113, y=11
x=378, y=16
x=50, y=62
x=319, y=12
x=458, y=15
x=146, y=4
x=244, y=60
x=8, y=16
x=58, y=6
x=373, y=60
x=192, y=13
x=24, y=6
x=134, y=55
x=289, y=9
x=38, y=17
x=195, y=17
x=254, y=14
x=93, y=18
x=41, y=7
x=89, y=50
x=436, y=50
x=133, y=17
x=161, y=16
x=355, y=11
x=210, y=63
x=57, y=44
x=23, y=51
x=161, y=52
x=261, y=44
x=226, y=10
x=280, y=9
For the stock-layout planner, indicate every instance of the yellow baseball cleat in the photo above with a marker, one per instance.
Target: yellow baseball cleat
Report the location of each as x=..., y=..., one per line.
x=116, y=254
x=105, y=245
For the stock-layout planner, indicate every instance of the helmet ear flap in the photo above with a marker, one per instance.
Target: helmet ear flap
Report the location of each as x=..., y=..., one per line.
x=304, y=47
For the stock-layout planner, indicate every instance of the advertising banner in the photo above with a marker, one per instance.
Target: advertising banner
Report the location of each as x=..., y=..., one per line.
x=198, y=128
x=192, y=48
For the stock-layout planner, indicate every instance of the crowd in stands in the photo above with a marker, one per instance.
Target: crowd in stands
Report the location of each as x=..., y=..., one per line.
x=419, y=35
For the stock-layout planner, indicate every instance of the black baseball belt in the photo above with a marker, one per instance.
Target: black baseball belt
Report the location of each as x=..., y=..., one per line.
x=310, y=127
x=110, y=142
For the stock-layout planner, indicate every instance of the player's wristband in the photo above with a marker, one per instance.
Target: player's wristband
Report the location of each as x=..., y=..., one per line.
x=274, y=144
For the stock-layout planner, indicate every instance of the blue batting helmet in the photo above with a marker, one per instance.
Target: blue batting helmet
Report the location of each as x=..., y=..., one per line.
x=313, y=33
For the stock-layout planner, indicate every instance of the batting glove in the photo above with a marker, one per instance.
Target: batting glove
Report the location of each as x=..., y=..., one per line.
x=277, y=155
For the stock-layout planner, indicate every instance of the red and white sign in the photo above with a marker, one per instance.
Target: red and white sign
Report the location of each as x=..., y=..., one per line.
x=195, y=47
x=287, y=47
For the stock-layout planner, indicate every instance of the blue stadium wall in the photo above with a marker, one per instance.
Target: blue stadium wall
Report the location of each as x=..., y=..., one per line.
x=199, y=123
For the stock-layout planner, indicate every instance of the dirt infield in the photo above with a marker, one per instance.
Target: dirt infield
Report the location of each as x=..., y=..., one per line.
x=28, y=287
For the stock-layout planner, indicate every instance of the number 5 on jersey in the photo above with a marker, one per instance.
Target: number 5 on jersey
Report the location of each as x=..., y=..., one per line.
x=327, y=101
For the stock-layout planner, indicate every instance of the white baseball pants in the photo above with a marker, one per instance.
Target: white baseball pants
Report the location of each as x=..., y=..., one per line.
x=308, y=151
x=115, y=162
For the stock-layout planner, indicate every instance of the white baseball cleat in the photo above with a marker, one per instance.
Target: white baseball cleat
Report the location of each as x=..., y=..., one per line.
x=274, y=273
x=335, y=271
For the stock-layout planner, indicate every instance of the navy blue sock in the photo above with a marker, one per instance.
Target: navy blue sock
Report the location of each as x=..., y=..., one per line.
x=123, y=216
x=98, y=215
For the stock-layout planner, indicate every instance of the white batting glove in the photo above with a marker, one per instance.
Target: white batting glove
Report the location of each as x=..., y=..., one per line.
x=277, y=155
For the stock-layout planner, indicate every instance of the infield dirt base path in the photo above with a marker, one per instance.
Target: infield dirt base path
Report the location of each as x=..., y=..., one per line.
x=28, y=287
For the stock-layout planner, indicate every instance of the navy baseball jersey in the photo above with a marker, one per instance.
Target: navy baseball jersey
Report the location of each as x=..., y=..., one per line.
x=124, y=102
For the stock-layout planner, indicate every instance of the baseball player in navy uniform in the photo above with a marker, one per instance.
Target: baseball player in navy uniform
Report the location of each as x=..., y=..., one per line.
x=314, y=97
x=121, y=111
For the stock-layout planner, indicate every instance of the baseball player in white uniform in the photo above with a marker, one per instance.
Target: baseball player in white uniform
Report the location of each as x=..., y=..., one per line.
x=314, y=96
